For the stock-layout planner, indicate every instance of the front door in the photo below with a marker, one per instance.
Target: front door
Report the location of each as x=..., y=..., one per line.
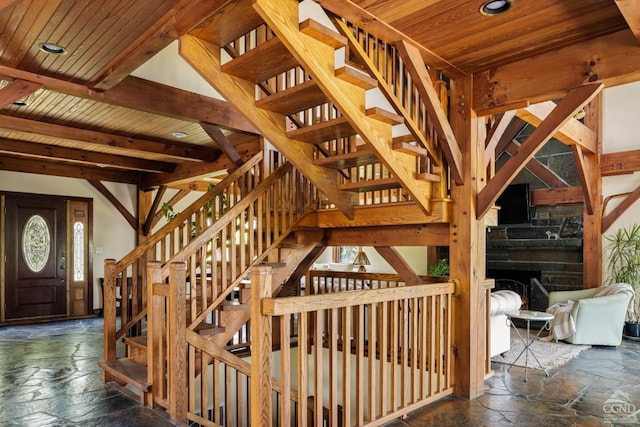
x=36, y=257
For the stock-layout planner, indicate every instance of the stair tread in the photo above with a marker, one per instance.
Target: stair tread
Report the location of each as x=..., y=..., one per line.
x=385, y=115
x=233, y=305
x=321, y=132
x=356, y=77
x=361, y=157
x=295, y=99
x=205, y=328
x=321, y=33
x=265, y=61
x=138, y=341
x=127, y=371
x=372, y=185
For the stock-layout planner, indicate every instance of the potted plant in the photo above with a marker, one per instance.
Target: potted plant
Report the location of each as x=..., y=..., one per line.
x=623, y=253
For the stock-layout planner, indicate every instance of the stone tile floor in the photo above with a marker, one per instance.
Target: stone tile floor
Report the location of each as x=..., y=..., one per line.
x=49, y=377
x=573, y=395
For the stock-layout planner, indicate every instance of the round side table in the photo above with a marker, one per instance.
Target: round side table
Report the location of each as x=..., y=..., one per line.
x=529, y=316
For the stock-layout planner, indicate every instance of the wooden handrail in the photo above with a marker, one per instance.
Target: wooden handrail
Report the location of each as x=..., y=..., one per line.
x=308, y=303
x=132, y=256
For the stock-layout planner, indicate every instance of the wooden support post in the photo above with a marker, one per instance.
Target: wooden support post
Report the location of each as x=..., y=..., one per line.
x=154, y=332
x=592, y=224
x=177, y=363
x=468, y=246
x=109, y=309
x=261, y=287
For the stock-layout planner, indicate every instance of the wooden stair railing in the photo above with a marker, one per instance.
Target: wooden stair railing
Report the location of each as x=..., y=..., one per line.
x=127, y=275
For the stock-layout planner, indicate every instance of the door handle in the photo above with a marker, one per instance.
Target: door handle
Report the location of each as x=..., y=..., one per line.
x=62, y=263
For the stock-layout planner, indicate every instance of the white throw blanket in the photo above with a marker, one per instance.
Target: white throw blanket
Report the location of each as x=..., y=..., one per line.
x=562, y=325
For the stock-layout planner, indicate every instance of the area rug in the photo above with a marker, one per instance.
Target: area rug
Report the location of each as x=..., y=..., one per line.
x=550, y=354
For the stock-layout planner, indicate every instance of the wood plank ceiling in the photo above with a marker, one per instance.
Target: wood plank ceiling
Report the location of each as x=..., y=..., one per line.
x=85, y=116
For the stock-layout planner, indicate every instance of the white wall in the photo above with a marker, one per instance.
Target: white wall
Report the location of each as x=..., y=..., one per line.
x=113, y=237
x=620, y=133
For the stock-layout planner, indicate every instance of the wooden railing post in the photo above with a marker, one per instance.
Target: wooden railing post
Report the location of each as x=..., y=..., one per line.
x=261, y=405
x=177, y=360
x=154, y=330
x=109, y=309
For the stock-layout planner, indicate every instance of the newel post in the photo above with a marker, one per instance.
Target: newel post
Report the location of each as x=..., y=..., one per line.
x=261, y=331
x=177, y=323
x=109, y=309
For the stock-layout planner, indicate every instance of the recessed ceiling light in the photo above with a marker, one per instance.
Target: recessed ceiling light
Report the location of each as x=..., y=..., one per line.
x=19, y=103
x=179, y=134
x=495, y=7
x=52, y=48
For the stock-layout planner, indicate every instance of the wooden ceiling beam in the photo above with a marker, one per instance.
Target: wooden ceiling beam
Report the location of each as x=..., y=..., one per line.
x=179, y=151
x=17, y=90
x=222, y=142
x=133, y=222
x=565, y=110
x=188, y=172
x=49, y=152
x=392, y=235
x=148, y=96
x=204, y=57
x=557, y=196
x=630, y=9
x=418, y=71
x=613, y=59
x=620, y=163
x=572, y=133
x=181, y=18
x=65, y=170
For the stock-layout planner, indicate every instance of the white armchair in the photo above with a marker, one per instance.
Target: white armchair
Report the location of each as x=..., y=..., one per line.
x=500, y=303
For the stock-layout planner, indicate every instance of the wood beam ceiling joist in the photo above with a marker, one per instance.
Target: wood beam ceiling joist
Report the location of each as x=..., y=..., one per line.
x=148, y=96
x=179, y=151
x=17, y=90
x=418, y=71
x=572, y=133
x=607, y=59
x=133, y=222
x=65, y=170
x=53, y=152
x=184, y=16
x=187, y=172
x=630, y=9
x=564, y=111
x=204, y=57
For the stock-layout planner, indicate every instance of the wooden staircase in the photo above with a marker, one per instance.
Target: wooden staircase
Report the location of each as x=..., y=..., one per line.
x=307, y=84
x=215, y=305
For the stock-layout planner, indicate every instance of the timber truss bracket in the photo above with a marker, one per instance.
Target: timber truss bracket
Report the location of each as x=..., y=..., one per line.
x=554, y=122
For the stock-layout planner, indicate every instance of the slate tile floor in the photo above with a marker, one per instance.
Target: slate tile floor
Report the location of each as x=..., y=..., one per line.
x=49, y=377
